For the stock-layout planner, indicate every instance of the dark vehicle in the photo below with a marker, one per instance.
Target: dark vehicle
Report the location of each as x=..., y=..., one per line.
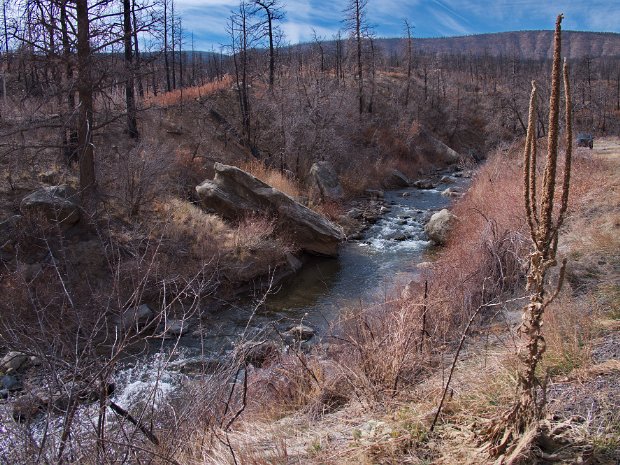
x=585, y=140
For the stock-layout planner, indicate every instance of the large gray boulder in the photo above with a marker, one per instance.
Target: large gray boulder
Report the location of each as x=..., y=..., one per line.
x=324, y=182
x=55, y=203
x=13, y=361
x=396, y=180
x=235, y=194
x=439, y=226
x=427, y=146
x=136, y=318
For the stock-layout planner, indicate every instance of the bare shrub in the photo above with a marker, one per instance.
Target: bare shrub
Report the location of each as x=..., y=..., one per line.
x=380, y=348
x=135, y=179
x=251, y=231
x=484, y=259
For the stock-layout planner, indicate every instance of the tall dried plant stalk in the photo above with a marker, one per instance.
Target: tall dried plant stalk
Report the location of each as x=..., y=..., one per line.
x=527, y=410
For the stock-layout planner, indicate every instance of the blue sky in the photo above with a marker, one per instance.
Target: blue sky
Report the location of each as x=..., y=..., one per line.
x=206, y=19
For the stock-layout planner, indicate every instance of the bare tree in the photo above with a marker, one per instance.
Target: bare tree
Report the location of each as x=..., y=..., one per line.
x=355, y=21
x=85, y=94
x=273, y=12
x=130, y=99
x=241, y=33
x=166, y=62
x=409, y=61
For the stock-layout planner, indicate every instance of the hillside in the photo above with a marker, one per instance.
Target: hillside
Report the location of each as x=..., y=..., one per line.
x=523, y=44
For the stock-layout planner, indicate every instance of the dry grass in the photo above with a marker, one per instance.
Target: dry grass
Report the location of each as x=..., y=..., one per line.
x=274, y=177
x=569, y=330
x=194, y=239
x=188, y=94
x=182, y=219
x=374, y=347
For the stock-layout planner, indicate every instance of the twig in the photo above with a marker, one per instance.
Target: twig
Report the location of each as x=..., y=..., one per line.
x=456, y=357
x=125, y=414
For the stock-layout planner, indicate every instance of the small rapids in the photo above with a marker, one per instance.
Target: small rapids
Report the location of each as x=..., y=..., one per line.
x=386, y=257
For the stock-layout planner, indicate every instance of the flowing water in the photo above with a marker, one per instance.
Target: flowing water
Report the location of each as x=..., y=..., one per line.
x=387, y=256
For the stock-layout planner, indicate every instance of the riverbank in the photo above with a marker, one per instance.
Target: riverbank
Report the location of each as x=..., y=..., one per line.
x=369, y=391
x=349, y=411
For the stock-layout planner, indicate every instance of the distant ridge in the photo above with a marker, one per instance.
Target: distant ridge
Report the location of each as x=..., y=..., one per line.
x=522, y=44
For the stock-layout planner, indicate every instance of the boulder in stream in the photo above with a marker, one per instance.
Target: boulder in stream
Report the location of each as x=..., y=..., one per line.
x=424, y=184
x=396, y=180
x=235, y=194
x=174, y=328
x=300, y=332
x=450, y=192
x=136, y=318
x=324, y=181
x=439, y=226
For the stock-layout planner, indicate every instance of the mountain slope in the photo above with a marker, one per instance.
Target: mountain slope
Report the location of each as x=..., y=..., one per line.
x=522, y=44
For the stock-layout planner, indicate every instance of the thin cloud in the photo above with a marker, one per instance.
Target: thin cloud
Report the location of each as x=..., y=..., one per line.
x=207, y=18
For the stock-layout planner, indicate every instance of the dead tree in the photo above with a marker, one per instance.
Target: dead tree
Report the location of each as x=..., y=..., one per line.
x=356, y=25
x=85, y=94
x=130, y=98
x=409, y=61
x=241, y=34
x=273, y=12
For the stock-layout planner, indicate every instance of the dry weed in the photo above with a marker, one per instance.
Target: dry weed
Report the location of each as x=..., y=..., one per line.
x=275, y=178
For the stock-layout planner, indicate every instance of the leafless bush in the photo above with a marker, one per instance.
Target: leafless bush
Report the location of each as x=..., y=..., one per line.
x=136, y=178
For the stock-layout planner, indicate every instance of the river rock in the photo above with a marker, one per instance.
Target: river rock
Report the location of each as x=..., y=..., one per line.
x=196, y=365
x=423, y=143
x=136, y=318
x=449, y=192
x=300, y=332
x=462, y=174
x=235, y=194
x=174, y=328
x=424, y=184
x=355, y=214
x=396, y=180
x=439, y=226
x=10, y=383
x=446, y=180
x=324, y=181
x=13, y=361
x=55, y=203
x=374, y=194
